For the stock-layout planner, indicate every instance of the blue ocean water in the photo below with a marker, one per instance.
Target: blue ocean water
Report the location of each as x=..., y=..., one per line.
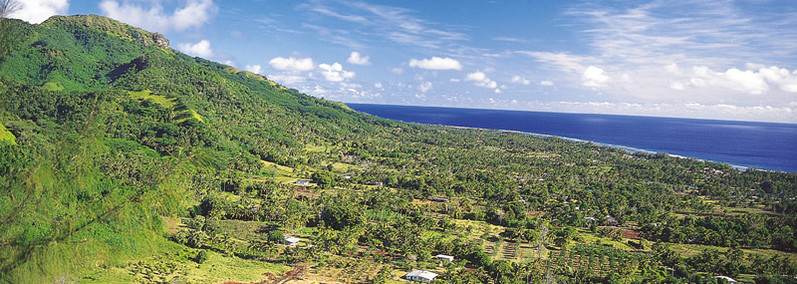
x=771, y=146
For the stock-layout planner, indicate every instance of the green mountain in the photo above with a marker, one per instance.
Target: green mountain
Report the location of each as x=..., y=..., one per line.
x=122, y=160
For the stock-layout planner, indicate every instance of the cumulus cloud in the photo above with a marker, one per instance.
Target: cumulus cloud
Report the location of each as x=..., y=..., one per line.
x=36, y=11
x=546, y=83
x=595, y=77
x=520, y=80
x=749, y=81
x=254, y=68
x=335, y=72
x=292, y=64
x=201, y=48
x=480, y=79
x=357, y=59
x=436, y=63
x=195, y=13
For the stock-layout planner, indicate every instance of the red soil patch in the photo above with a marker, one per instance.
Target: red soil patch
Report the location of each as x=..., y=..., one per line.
x=630, y=234
x=293, y=274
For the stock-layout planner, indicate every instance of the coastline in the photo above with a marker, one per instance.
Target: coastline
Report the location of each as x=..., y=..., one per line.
x=740, y=145
x=628, y=149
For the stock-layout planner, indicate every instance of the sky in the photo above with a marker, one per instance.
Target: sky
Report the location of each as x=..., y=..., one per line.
x=712, y=59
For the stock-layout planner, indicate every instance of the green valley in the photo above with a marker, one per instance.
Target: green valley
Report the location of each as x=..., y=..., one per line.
x=123, y=160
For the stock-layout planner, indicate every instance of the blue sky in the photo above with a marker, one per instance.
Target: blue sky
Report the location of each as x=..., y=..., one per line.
x=716, y=59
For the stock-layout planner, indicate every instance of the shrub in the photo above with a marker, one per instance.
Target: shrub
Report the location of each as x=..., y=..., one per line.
x=202, y=256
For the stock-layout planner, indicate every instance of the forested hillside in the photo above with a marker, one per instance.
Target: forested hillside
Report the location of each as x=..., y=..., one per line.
x=123, y=160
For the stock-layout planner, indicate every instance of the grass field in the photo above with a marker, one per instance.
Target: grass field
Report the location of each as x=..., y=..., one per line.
x=147, y=94
x=6, y=135
x=687, y=250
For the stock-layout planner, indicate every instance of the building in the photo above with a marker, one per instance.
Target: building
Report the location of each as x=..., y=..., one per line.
x=726, y=278
x=438, y=199
x=611, y=220
x=444, y=257
x=421, y=275
x=302, y=182
x=292, y=241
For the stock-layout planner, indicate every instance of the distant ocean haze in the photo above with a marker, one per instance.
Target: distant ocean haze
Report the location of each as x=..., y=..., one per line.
x=771, y=146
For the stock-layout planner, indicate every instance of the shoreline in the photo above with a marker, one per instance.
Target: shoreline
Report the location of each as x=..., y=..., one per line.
x=628, y=149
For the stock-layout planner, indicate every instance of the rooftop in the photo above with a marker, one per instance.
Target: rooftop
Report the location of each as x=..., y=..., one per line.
x=423, y=274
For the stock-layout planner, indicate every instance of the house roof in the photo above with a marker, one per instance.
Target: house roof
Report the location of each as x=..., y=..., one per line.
x=726, y=278
x=292, y=239
x=423, y=274
x=444, y=256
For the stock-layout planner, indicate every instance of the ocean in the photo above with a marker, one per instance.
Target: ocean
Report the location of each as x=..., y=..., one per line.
x=760, y=145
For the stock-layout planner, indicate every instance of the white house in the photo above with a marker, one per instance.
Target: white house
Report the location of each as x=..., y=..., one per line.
x=292, y=241
x=421, y=275
x=726, y=278
x=302, y=182
x=444, y=257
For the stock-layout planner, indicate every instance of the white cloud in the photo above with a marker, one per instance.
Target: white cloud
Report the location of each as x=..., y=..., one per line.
x=292, y=64
x=546, y=83
x=257, y=69
x=36, y=11
x=564, y=61
x=287, y=79
x=201, y=48
x=378, y=85
x=678, y=86
x=397, y=70
x=520, y=80
x=357, y=59
x=694, y=110
x=425, y=86
x=748, y=81
x=595, y=77
x=480, y=79
x=195, y=13
x=335, y=72
x=436, y=63
x=391, y=23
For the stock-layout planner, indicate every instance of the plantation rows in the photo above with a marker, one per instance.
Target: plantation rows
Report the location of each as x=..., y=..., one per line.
x=599, y=261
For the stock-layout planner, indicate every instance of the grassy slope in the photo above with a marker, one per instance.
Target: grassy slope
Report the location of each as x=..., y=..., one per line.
x=64, y=213
x=7, y=136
